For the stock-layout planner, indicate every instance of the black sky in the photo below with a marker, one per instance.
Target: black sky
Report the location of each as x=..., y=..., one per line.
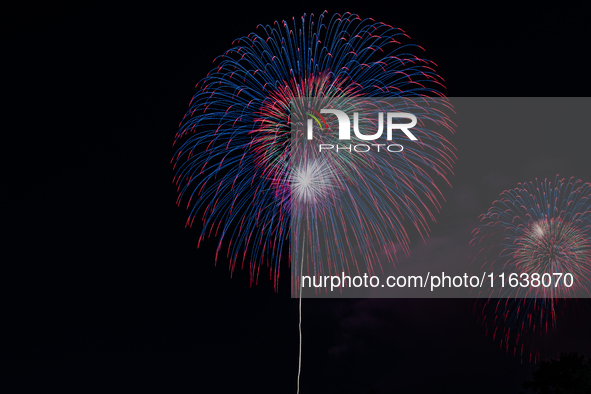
x=106, y=289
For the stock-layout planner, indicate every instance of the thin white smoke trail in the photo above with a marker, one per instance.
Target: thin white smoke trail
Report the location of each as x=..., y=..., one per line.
x=300, y=327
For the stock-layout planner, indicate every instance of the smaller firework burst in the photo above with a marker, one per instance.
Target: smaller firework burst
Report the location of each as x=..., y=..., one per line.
x=541, y=232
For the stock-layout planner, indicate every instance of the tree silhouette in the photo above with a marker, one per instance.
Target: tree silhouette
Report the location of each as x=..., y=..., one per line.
x=570, y=374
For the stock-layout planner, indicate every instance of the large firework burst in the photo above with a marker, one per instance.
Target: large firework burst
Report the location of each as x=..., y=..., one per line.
x=234, y=165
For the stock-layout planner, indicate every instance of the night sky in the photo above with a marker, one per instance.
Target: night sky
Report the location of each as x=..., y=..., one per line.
x=106, y=289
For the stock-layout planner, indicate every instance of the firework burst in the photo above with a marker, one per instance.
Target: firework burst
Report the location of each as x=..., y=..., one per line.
x=542, y=233
x=234, y=164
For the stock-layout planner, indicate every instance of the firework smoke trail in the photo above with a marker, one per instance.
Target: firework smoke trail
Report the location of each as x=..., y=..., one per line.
x=536, y=228
x=233, y=161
